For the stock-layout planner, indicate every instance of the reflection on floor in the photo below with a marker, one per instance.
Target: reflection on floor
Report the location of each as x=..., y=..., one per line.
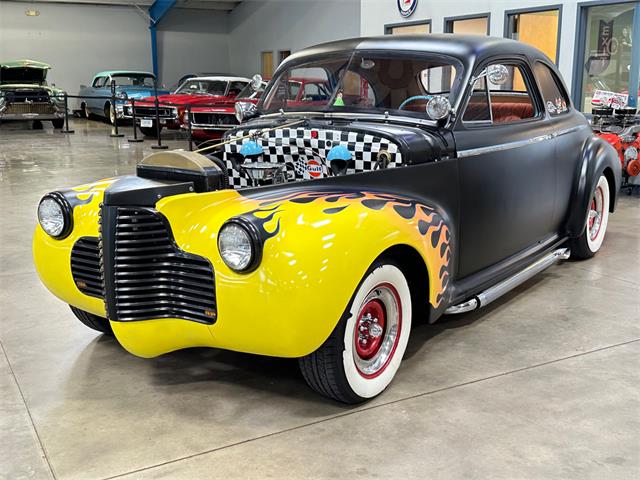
x=542, y=384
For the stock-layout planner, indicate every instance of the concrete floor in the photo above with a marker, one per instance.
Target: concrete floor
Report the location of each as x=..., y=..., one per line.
x=544, y=383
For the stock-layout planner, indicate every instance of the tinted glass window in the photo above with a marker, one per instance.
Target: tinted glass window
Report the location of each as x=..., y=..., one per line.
x=555, y=99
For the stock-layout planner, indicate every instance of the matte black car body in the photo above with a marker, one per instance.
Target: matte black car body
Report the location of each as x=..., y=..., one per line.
x=510, y=193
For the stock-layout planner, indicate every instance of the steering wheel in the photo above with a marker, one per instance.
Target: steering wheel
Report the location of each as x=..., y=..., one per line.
x=413, y=99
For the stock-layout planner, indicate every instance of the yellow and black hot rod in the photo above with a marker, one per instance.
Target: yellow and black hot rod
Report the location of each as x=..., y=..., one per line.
x=420, y=176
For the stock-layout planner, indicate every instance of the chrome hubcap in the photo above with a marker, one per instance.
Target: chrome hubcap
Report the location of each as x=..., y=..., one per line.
x=594, y=221
x=377, y=330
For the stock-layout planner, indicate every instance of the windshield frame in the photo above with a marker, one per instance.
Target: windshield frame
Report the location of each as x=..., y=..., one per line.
x=457, y=85
x=115, y=76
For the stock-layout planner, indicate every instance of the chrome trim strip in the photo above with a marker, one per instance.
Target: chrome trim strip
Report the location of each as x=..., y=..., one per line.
x=520, y=143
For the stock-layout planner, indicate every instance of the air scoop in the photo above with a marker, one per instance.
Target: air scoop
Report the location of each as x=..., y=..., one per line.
x=182, y=166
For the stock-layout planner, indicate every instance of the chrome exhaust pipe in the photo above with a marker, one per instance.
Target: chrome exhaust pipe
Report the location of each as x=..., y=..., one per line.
x=499, y=289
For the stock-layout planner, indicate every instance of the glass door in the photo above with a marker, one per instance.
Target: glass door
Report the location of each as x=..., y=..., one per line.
x=607, y=66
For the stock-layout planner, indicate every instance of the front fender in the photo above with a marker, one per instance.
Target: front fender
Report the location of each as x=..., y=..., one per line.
x=317, y=247
x=597, y=156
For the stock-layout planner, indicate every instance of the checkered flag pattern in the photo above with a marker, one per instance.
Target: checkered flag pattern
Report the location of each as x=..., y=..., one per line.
x=298, y=145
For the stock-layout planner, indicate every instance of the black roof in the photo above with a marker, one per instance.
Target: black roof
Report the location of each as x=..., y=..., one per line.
x=469, y=49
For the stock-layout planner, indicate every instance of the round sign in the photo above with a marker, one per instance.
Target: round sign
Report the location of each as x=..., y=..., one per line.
x=314, y=168
x=407, y=7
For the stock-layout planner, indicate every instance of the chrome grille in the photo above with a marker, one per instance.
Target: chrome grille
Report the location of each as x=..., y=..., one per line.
x=85, y=266
x=214, y=119
x=153, y=278
x=22, y=108
x=150, y=112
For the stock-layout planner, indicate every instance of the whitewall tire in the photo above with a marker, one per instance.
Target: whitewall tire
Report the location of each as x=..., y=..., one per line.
x=363, y=353
x=595, y=229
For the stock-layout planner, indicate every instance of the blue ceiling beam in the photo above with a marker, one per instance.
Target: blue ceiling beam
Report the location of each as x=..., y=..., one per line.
x=156, y=12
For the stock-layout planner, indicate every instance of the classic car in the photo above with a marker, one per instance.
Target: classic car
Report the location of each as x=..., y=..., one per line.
x=210, y=122
x=441, y=172
x=219, y=90
x=621, y=128
x=96, y=98
x=25, y=95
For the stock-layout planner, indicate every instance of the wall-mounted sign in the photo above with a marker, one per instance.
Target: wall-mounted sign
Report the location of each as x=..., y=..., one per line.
x=407, y=7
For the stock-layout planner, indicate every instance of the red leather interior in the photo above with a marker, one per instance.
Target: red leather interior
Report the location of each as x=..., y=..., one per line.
x=511, y=112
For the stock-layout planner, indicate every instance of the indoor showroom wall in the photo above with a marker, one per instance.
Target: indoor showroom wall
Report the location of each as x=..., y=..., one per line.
x=273, y=25
x=80, y=40
x=375, y=14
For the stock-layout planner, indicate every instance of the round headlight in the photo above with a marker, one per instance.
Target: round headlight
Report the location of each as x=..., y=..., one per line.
x=122, y=95
x=54, y=215
x=239, y=245
x=438, y=107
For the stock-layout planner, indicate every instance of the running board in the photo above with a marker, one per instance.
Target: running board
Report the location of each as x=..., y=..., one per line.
x=492, y=293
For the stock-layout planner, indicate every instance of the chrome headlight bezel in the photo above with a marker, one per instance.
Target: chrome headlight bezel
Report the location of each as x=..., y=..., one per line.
x=253, y=240
x=65, y=210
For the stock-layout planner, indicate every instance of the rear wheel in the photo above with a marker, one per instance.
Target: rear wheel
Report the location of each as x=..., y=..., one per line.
x=363, y=353
x=93, y=321
x=589, y=242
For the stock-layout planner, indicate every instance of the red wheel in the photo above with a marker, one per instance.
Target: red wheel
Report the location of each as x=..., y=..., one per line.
x=590, y=241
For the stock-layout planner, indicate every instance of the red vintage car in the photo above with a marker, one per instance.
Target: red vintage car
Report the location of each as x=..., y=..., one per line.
x=218, y=90
x=210, y=122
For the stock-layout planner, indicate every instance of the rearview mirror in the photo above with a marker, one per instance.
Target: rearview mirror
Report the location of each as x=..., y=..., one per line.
x=256, y=82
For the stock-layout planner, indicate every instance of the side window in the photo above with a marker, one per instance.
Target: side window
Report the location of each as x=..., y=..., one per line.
x=508, y=102
x=236, y=88
x=98, y=82
x=555, y=98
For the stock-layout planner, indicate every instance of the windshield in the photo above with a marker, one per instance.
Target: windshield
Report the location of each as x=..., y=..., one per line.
x=203, y=87
x=362, y=81
x=133, y=80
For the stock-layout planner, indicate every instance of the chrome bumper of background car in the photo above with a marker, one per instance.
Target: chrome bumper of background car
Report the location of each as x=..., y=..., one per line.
x=195, y=126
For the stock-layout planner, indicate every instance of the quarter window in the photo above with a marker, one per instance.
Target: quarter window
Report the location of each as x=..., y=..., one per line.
x=98, y=82
x=507, y=103
x=555, y=98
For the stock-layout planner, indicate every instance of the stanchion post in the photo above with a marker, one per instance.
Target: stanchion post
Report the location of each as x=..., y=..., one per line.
x=66, y=116
x=189, y=132
x=159, y=146
x=135, y=125
x=115, y=111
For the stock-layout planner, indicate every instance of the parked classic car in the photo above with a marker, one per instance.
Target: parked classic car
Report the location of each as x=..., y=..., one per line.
x=210, y=122
x=128, y=84
x=25, y=95
x=219, y=90
x=441, y=172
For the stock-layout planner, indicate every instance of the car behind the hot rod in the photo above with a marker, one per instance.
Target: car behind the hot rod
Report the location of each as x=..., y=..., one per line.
x=441, y=172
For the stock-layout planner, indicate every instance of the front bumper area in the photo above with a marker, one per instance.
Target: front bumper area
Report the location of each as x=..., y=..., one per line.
x=31, y=111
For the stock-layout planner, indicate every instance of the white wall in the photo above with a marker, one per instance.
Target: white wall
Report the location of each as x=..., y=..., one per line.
x=376, y=13
x=76, y=40
x=192, y=41
x=80, y=40
x=273, y=25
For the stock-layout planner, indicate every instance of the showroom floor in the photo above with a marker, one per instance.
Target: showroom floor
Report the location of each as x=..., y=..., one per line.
x=542, y=384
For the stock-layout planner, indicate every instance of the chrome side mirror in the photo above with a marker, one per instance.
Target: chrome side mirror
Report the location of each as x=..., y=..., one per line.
x=256, y=82
x=438, y=107
x=245, y=111
x=498, y=74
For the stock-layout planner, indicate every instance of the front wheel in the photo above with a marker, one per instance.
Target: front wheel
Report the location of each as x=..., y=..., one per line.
x=589, y=242
x=363, y=353
x=58, y=123
x=93, y=321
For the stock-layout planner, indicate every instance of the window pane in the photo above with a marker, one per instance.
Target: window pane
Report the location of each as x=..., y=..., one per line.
x=607, y=61
x=470, y=26
x=555, y=99
x=539, y=29
x=512, y=101
x=422, y=28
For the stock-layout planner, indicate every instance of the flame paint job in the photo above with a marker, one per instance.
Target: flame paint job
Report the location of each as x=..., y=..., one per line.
x=317, y=247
